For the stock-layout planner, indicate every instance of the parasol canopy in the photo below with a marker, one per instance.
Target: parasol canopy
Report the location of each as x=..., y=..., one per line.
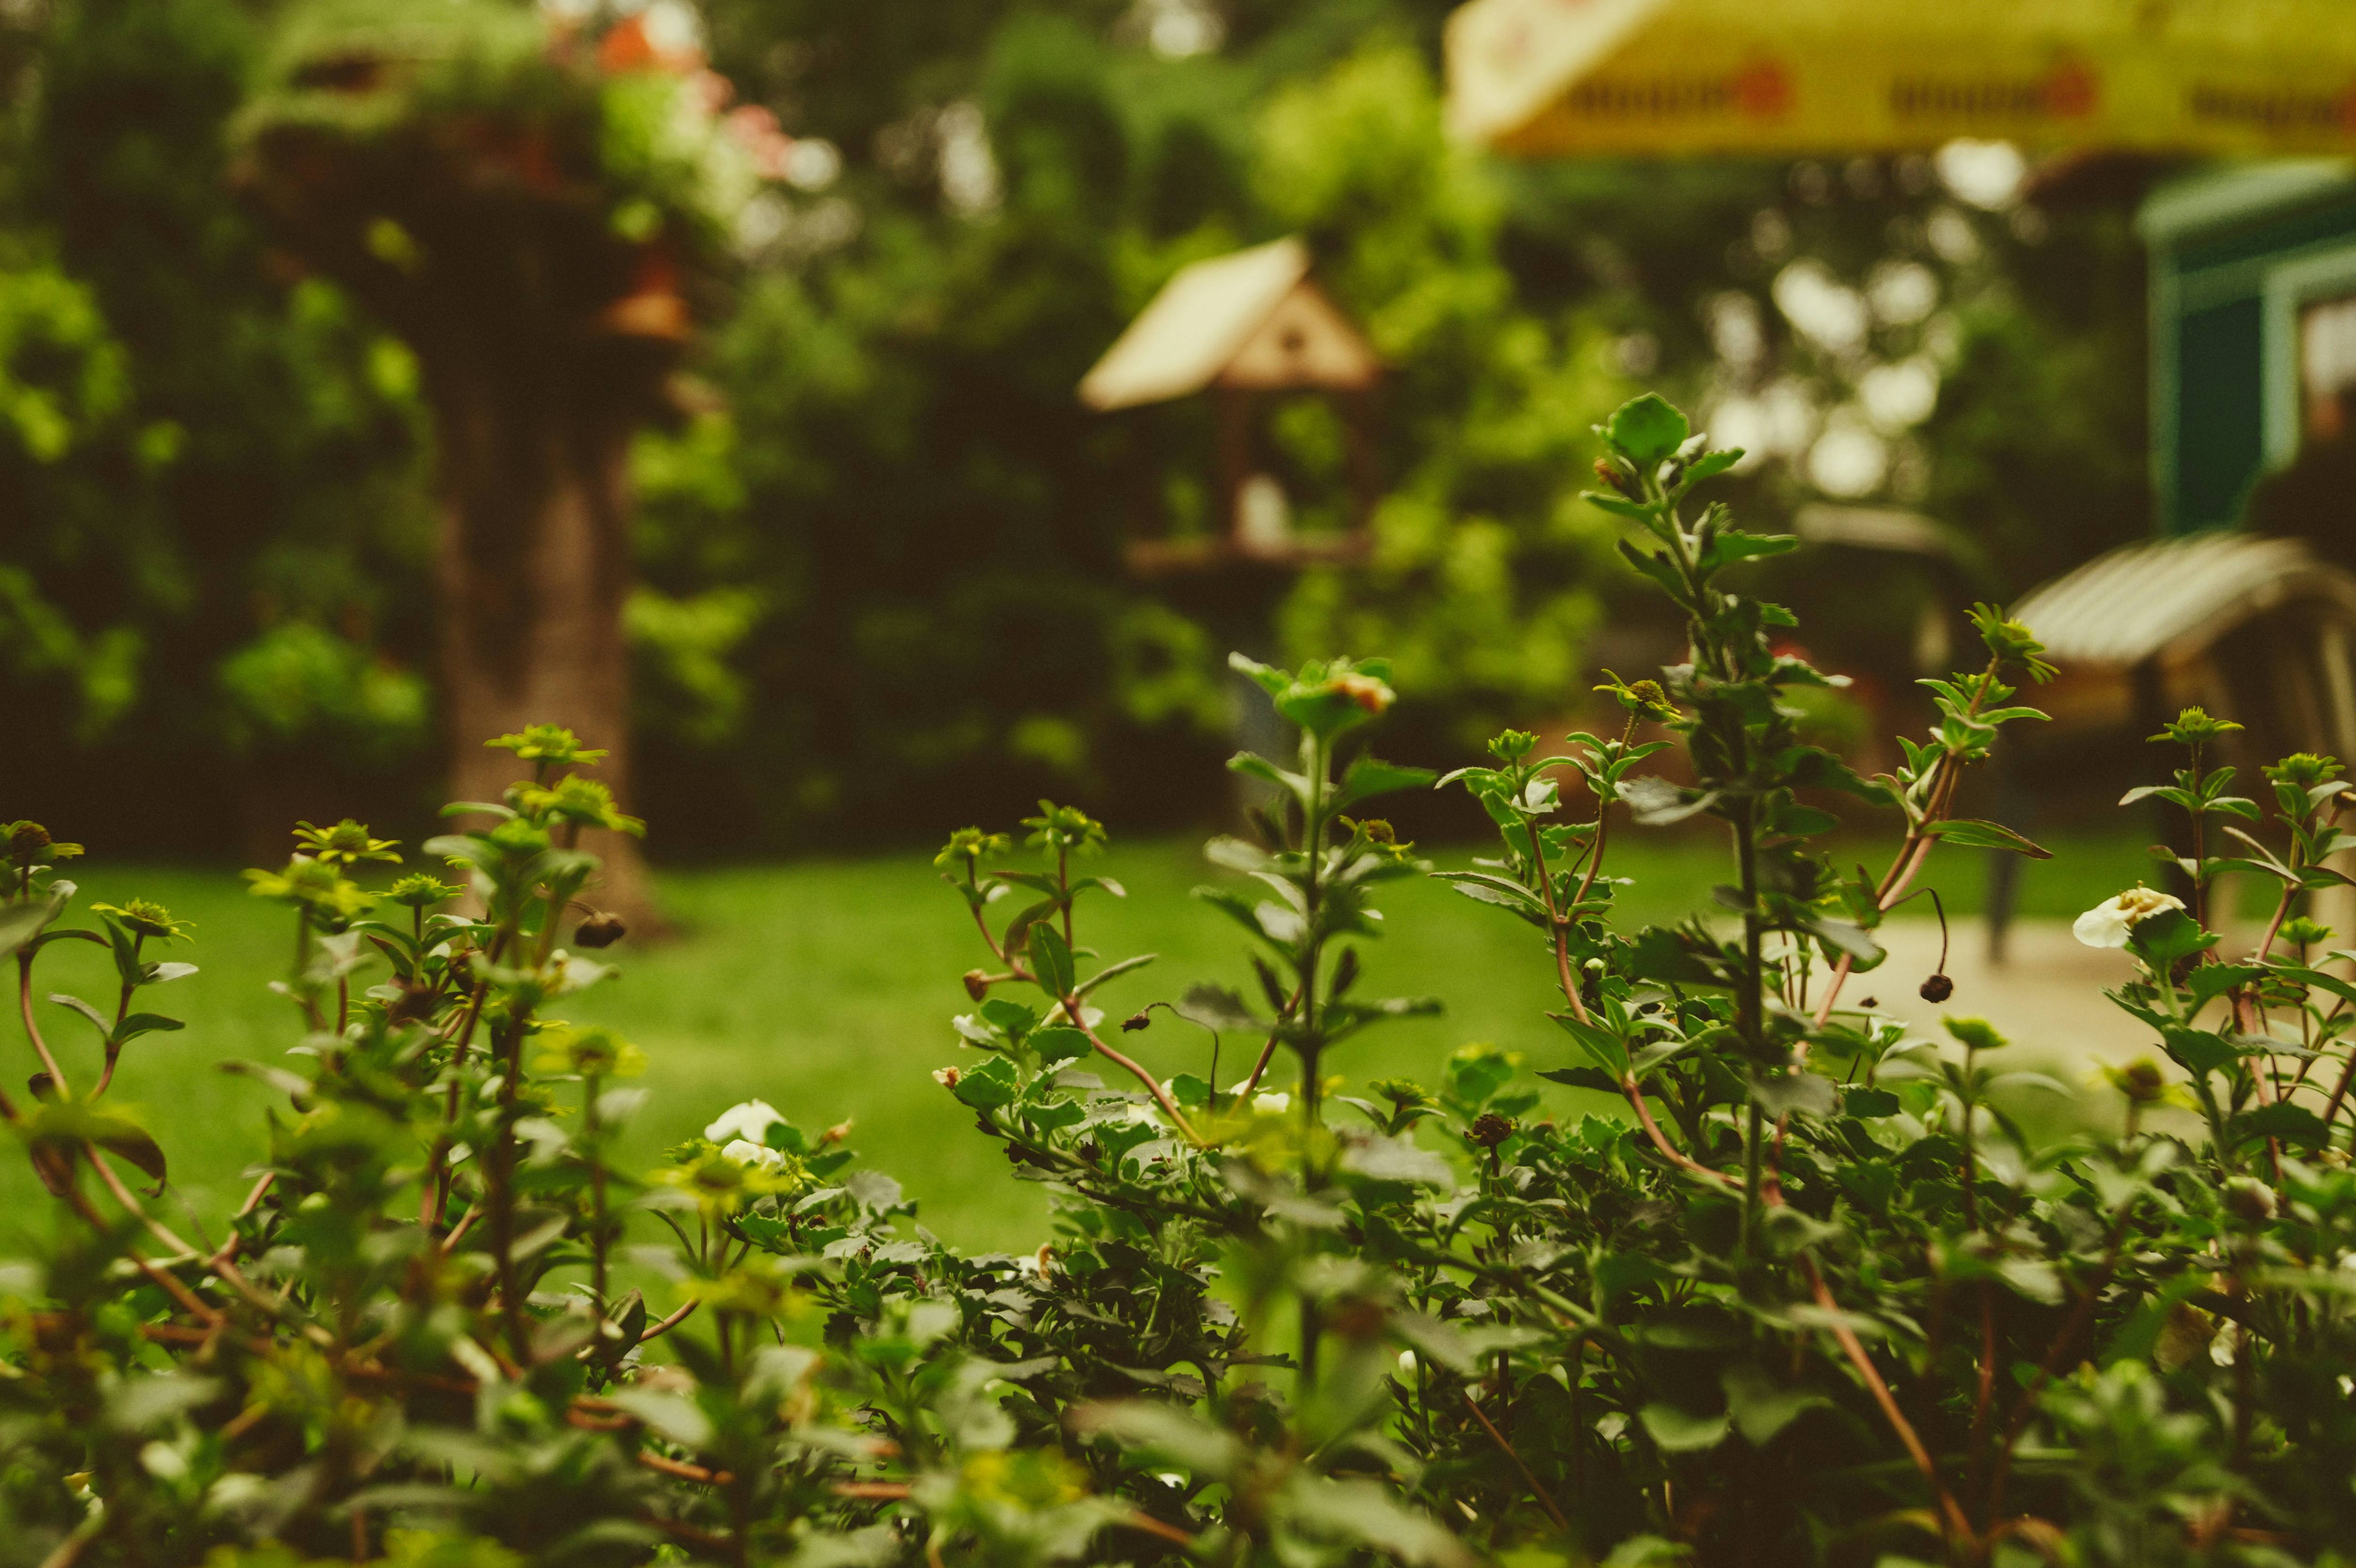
x=2213, y=77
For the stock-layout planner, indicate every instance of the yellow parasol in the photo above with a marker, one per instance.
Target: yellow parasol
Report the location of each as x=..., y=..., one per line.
x=2214, y=76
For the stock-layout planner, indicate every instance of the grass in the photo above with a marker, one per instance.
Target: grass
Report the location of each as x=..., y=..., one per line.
x=826, y=986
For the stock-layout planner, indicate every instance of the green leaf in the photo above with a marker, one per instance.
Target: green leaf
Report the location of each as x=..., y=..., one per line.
x=1268, y=677
x=1112, y=970
x=1012, y=1018
x=1670, y=958
x=1051, y=959
x=1655, y=802
x=1261, y=768
x=1868, y=1105
x=1607, y=1050
x=1365, y=1511
x=2199, y=1052
x=1618, y=505
x=1216, y=1008
x=1367, y=778
x=138, y=1024
x=2283, y=1120
x=2207, y=981
x=1648, y=429
x=1760, y=1406
x=1970, y=833
x=1060, y=1044
x=19, y=923
x=2033, y=1279
x=1733, y=545
x=1582, y=1078
x=1846, y=936
x=105, y=1025
x=1802, y=1092
x=2160, y=940
x=1710, y=464
x=1160, y=1431
x=1682, y=1432
x=988, y=1086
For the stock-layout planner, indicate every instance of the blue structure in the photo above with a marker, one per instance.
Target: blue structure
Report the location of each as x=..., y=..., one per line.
x=2252, y=297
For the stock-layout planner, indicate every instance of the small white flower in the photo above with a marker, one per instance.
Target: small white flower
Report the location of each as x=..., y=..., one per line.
x=1274, y=1104
x=746, y=1152
x=2108, y=923
x=749, y=1121
x=1406, y=1363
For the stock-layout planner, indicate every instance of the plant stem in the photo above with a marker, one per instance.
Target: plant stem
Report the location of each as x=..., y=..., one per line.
x=32, y=1030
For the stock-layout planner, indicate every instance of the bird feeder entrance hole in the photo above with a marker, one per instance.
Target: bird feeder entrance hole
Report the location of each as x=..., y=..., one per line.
x=1254, y=333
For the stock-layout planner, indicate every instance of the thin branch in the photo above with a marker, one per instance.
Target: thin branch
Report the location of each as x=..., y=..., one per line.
x=1520, y=1464
x=1952, y=1522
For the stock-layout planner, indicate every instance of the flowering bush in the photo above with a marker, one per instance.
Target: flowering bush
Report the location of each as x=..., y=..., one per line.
x=1807, y=1295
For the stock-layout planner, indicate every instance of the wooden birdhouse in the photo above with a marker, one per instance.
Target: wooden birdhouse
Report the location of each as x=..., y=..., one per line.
x=1250, y=329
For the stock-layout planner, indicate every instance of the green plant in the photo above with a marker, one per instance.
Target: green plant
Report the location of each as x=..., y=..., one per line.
x=1816, y=1299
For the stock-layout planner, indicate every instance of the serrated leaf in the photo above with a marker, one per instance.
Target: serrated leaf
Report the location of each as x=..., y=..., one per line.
x=1868, y=1105
x=2284, y=1121
x=1059, y=1044
x=1649, y=429
x=988, y=1086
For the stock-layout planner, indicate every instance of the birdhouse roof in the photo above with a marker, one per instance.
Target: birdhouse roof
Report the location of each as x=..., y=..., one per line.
x=1251, y=318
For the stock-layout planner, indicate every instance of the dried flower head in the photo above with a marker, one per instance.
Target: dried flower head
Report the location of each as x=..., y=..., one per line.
x=601, y=928
x=1490, y=1129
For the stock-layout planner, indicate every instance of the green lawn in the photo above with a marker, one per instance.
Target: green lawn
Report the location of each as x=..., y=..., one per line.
x=826, y=986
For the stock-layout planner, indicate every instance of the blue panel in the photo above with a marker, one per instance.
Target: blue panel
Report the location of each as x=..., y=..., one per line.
x=2221, y=412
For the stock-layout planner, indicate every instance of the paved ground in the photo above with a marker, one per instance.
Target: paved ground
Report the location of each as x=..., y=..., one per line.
x=2046, y=998
x=2047, y=995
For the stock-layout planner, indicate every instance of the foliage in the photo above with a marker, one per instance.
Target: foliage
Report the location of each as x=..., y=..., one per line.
x=216, y=465
x=1817, y=1301
x=979, y=194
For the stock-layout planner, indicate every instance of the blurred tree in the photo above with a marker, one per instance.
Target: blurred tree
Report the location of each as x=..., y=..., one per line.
x=523, y=197
x=880, y=569
x=201, y=460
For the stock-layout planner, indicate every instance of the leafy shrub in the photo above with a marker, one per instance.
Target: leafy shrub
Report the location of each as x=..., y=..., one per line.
x=1815, y=1298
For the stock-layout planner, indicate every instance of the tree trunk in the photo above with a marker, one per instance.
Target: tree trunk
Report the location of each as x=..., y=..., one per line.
x=535, y=569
